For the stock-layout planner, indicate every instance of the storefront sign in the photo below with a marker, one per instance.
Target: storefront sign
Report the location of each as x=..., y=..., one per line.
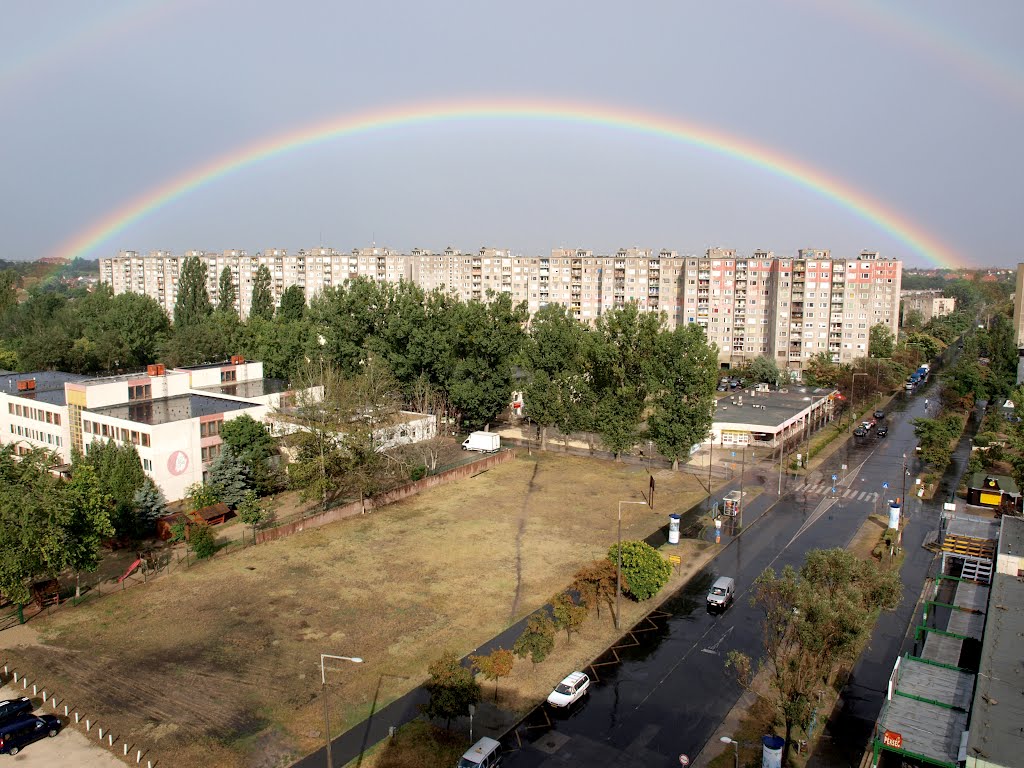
x=891, y=739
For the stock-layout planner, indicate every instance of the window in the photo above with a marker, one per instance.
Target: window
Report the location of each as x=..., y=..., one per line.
x=140, y=392
x=145, y=440
x=226, y=376
x=210, y=428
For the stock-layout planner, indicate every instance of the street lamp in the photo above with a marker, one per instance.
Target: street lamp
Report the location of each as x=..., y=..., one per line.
x=853, y=394
x=323, y=693
x=618, y=569
x=735, y=746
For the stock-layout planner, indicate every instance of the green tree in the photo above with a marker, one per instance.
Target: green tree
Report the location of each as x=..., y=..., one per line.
x=913, y=319
x=452, y=688
x=815, y=620
x=820, y=371
x=595, y=584
x=119, y=470
x=881, y=341
x=209, y=339
x=250, y=512
x=86, y=521
x=149, y=503
x=929, y=346
x=537, y=639
x=567, y=614
x=262, y=305
x=495, y=665
x=293, y=304
x=685, y=371
x=764, y=369
x=229, y=475
x=226, y=294
x=202, y=540
x=250, y=440
x=201, y=495
x=644, y=570
x=193, y=302
x=8, y=290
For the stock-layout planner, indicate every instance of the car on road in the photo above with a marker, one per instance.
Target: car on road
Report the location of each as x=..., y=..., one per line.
x=722, y=593
x=882, y=431
x=486, y=753
x=859, y=432
x=12, y=708
x=879, y=414
x=24, y=730
x=572, y=688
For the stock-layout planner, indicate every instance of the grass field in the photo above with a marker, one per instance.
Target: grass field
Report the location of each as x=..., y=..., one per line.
x=219, y=664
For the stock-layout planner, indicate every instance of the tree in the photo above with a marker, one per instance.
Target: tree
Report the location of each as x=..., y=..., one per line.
x=149, y=503
x=567, y=614
x=595, y=584
x=497, y=664
x=202, y=540
x=764, y=369
x=913, y=319
x=119, y=471
x=685, y=371
x=881, y=341
x=821, y=371
x=815, y=620
x=262, y=305
x=193, y=302
x=8, y=290
x=537, y=639
x=251, y=513
x=293, y=304
x=252, y=443
x=226, y=295
x=644, y=570
x=229, y=475
x=927, y=345
x=452, y=688
x=86, y=521
x=201, y=495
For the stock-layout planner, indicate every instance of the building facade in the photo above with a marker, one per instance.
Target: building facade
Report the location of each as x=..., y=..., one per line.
x=929, y=303
x=790, y=309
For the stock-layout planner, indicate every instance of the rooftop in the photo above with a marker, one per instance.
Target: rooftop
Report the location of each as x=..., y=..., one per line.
x=998, y=712
x=769, y=409
x=49, y=385
x=169, y=409
x=1003, y=483
x=1011, y=536
x=250, y=389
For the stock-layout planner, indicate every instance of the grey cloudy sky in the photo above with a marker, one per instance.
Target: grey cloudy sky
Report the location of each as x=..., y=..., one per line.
x=918, y=105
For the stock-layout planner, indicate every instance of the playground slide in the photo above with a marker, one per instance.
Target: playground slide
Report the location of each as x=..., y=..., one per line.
x=131, y=568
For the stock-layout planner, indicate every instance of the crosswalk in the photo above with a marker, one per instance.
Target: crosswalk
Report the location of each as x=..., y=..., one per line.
x=825, y=489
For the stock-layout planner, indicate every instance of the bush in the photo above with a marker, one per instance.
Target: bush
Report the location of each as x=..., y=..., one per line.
x=418, y=473
x=203, y=542
x=644, y=570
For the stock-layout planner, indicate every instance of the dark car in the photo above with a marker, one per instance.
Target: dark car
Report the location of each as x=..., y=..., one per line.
x=882, y=431
x=13, y=708
x=860, y=432
x=24, y=730
x=879, y=414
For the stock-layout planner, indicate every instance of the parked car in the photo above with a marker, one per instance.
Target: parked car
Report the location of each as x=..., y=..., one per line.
x=882, y=431
x=24, y=730
x=486, y=753
x=860, y=432
x=722, y=593
x=572, y=688
x=12, y=708
x=879, y=414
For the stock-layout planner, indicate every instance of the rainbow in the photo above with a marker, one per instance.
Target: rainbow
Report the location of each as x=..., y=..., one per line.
x=428, y=113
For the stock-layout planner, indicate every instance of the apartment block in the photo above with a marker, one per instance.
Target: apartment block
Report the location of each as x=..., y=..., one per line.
x=929, y=303
x=762, y=304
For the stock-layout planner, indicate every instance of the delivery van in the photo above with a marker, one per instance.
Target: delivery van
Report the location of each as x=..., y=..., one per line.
x=485, y=442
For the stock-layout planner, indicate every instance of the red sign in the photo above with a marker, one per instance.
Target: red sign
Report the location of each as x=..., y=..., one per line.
x=891, y=739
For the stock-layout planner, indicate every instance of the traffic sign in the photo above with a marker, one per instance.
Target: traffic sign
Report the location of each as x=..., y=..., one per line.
x=843, y=467
x=834, y=478
x=885, y=485
x=733, y=454
x=684, y=760
x=833, y=489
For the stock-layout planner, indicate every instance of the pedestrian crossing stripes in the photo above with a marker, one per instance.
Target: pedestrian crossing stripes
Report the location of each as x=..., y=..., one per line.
x=825, y=489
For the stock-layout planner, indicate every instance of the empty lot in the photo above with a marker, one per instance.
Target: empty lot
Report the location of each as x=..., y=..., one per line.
x=219, y=664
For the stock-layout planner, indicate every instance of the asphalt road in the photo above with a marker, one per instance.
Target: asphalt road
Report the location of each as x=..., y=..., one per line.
x=666, y=695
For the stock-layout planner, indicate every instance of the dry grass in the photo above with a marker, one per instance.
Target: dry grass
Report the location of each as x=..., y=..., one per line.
x=219, y=664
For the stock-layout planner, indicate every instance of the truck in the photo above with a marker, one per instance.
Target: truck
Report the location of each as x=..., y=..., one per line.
x=484, y=442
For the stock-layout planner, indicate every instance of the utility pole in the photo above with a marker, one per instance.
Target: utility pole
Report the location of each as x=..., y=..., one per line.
x=743, y=471
x=711, y=454
x=903, y=498
x=782, y=451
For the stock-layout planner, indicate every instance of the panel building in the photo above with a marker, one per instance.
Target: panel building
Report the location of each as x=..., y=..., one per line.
x=790, y=309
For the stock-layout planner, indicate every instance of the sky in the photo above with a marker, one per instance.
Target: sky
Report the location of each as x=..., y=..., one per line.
x=786, y=124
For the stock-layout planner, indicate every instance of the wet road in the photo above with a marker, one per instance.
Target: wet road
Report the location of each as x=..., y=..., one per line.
x=665, y=692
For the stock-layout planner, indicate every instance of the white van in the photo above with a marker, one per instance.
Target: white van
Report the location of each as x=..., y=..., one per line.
x=486, y=753
x=722, y=593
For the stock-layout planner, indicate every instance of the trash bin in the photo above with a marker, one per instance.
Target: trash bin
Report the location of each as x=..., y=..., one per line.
x=771, y=751
x=673, y=529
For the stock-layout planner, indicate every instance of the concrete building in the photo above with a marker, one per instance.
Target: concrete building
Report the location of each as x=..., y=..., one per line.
x=929, y=303
x=760, y=418
x=172, y=416
x=789, y=309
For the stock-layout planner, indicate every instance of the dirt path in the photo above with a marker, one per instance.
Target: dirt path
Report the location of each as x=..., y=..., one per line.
x=520, y=530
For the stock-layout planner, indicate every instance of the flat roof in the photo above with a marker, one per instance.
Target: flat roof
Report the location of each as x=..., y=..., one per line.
x=49, y=385
x=769, y=409
x=1011, y=536
x=998, y=709
x=168, y=409
x=972, y=527
x=205, y=366
x=933, y=721
x=254, y=388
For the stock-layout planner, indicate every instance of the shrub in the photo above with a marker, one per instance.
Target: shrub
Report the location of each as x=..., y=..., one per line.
x=418, y=473
x=203, y=542
x=644, y=570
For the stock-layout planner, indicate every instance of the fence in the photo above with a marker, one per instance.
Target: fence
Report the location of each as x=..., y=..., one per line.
x=382, y=500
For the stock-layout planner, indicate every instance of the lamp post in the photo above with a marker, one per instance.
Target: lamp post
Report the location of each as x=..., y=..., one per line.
x=618, y=568
x=735, y=747
x=853, y=395
x=323, y=691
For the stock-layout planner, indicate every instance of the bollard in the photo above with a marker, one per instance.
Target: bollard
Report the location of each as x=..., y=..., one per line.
x=87, y=725
x=101, y=734
x=15, y=676
x=24, y=682
x=76, y=717
x=110, y=739
x=138, y=757
x=34, y=689
x=53, y=700
x=65, y=710
x=126, y=749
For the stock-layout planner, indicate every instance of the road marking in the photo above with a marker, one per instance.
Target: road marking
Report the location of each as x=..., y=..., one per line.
x=713, y=649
